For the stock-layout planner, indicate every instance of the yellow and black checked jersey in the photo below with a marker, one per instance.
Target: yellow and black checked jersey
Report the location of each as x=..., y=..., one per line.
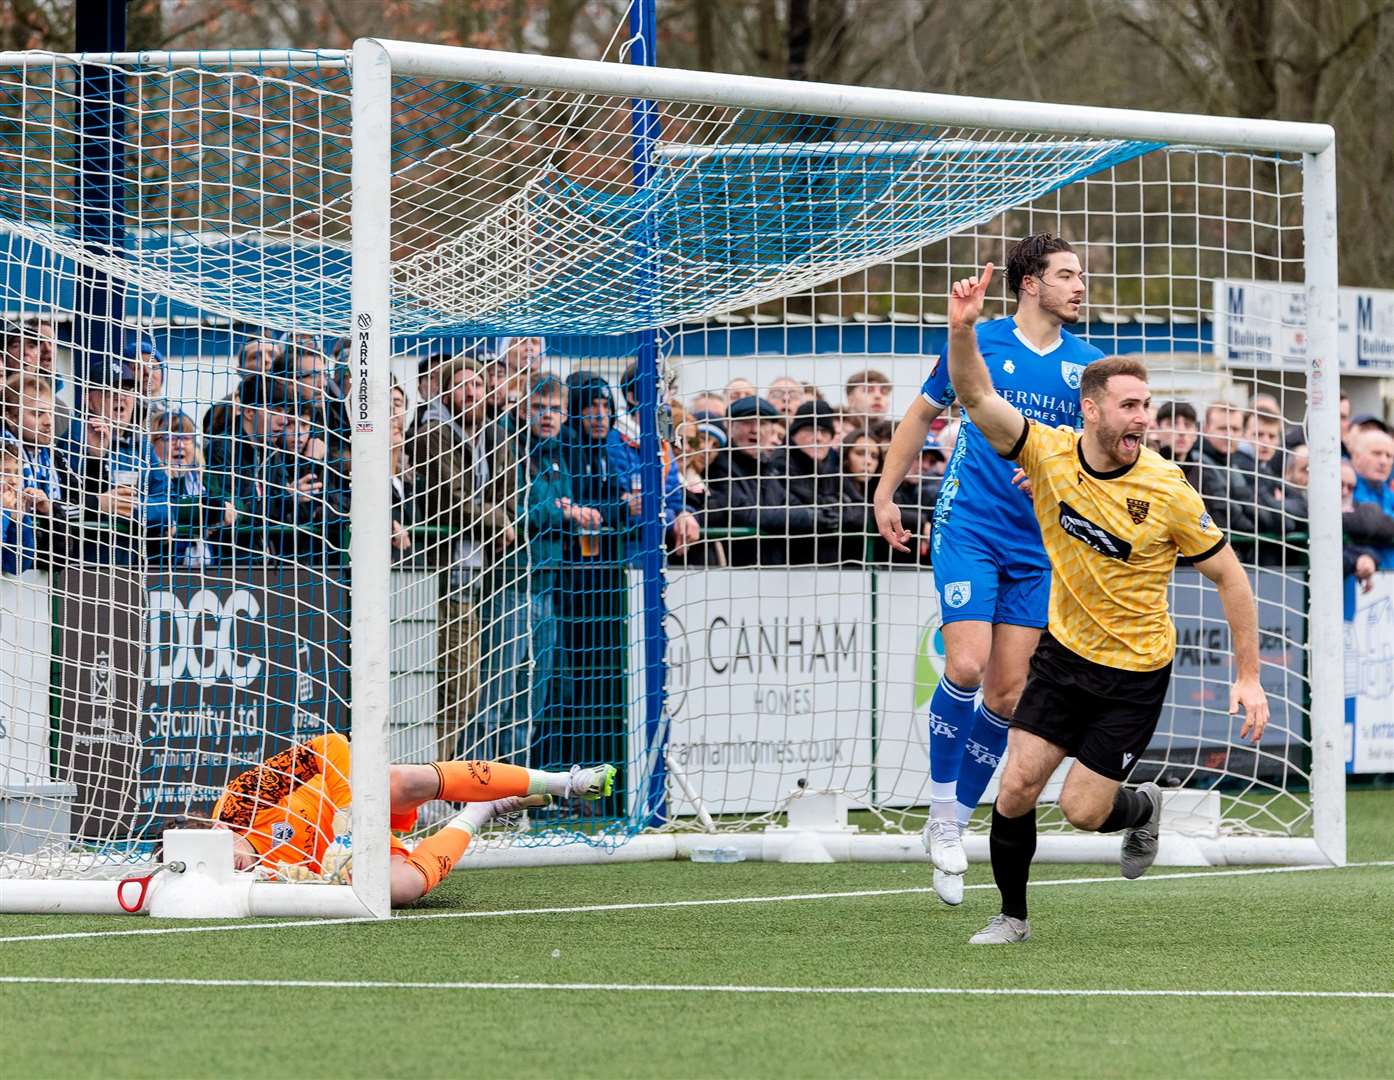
x=1113, y=539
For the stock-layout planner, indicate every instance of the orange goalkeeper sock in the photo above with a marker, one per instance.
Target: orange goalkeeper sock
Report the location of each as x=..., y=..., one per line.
x=484, y=781
x=435, y=856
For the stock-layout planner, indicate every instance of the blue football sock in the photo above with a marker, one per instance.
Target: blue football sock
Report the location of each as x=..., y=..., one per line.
x=950, y=717
x=982, y=753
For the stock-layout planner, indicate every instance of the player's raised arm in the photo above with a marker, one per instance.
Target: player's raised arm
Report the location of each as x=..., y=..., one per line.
x=1241, y=612
x=999, y=422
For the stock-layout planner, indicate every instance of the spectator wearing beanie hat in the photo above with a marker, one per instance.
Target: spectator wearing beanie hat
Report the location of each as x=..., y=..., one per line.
x=811, y=422
x=809, y=466
x=748, y=490
x=714, y=431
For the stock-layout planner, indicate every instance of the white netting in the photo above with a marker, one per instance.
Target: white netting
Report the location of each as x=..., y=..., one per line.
x=512, y=210
x=175, y=248
x=761, y=709
x=175, y=583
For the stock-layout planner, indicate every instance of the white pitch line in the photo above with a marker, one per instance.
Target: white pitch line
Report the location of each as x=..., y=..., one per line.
x=584, y=909
x=688, y=988
x=580, y=909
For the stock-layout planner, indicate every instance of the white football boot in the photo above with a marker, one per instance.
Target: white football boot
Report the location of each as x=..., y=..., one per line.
x=944, y=842
x=1003, y=930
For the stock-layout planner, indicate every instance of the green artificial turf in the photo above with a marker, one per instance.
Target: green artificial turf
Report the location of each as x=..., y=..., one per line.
x=1323, y=930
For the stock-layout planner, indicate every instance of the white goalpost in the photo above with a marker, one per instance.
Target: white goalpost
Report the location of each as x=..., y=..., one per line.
x=462, y=243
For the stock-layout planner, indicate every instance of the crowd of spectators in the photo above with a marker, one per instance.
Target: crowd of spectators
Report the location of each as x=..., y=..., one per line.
x=526, y=491
x=786, y=477
x=122, y=476
x=1251, y=467
x=772, y=475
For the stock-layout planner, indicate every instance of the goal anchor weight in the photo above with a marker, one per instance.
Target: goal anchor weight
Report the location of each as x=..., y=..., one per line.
x=202, y=880
x=197, y=880
x=209, y=886
x=133, y=907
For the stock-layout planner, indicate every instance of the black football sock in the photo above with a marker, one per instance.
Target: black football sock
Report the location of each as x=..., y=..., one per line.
x=1130, y=809
x=1013, y=845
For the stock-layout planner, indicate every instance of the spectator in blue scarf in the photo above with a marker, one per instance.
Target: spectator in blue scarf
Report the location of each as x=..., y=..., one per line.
x=115, y=463
x=189, y=511
x=12, y=512
x=38, y=530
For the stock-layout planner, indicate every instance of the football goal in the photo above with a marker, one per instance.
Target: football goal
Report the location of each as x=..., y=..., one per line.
x=384, y=392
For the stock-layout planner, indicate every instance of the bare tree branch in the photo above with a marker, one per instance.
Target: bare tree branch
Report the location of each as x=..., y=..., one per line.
x=1180, y=59
x=337, y=15
x=861, y=74
x=1370, y=20
x=175, y=34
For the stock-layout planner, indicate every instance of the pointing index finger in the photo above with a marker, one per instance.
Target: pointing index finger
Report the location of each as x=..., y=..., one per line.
x=986, y=278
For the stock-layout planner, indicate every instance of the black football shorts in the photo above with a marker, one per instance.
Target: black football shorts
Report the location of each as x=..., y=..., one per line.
x=1103, y=717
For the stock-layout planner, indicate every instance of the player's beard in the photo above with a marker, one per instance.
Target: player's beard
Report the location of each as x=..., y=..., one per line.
x=1111, y=439
x=1061, y=308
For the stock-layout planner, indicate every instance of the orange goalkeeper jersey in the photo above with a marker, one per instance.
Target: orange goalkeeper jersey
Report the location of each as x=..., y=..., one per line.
x=285, y=806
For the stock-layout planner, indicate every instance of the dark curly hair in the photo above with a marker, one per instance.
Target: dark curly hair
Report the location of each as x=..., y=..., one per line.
x=1029, y=257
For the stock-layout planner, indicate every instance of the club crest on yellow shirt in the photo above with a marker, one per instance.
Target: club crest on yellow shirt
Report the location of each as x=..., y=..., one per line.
x=1137, y=510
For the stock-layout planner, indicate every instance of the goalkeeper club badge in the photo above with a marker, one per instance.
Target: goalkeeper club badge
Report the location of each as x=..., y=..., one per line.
x=958, y=593
x=1137, y=510
x=1206, y=522
x=282, y=832
x=1071, y=373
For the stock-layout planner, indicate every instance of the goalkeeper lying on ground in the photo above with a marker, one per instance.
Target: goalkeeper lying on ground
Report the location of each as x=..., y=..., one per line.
x=291, y=812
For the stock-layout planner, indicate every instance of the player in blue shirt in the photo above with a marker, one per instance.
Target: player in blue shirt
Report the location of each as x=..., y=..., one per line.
x=990, y=568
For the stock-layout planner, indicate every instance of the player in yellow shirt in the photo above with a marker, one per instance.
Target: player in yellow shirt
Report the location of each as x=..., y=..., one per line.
x=1115, y=517
x=290, y=812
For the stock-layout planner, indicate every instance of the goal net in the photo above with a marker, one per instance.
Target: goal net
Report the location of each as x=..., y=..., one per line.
x=384, y=394
x=776, y=693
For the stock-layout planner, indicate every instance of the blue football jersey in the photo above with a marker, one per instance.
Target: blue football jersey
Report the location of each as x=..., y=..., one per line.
x=977, y=498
